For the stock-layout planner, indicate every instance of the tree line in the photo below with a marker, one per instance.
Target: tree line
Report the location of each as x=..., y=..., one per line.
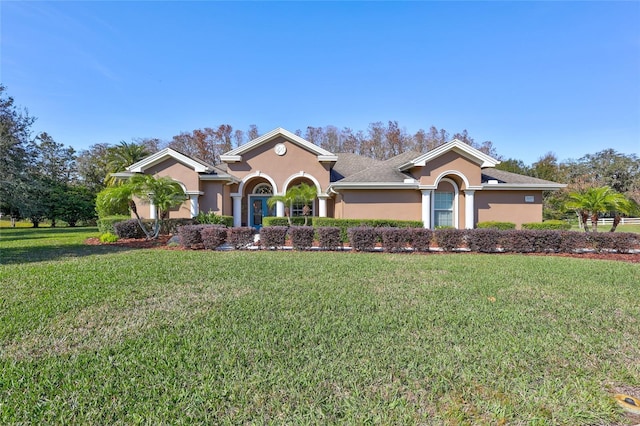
x=41, y=178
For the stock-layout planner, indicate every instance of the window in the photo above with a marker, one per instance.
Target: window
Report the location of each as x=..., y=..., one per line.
x=263, y=188
x=443, y=209
x=298, y=209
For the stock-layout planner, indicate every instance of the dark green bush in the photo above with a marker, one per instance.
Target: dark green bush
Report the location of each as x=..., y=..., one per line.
x=559, y=225
x=496, y=225
x=394, y=239
x=483, y=240
x=105, y=224
x=128, y=229
x=362, y=238
x=282, y=221
x=345, y=224
x=421, y=239
x=329, y=237
x=449, y=239
x=213, y=236
x=273, y=236
x=240, y=237
x=301, y=237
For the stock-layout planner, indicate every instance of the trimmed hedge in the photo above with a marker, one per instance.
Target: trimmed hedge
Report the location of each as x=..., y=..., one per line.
x=571, y=241
x=421, y=239
x=394, y=239
x=329, y=237
x=128, y=229
x=345, y=224
x=558, y=225
x=449, y=239
x=105, y=224
x=503, y=226
x=622, y=242
x=483, y=240
x=282, y=221
x=240, y=237
x=273, y=236
x=213, y=236
x=191, y=235
x=362, y=238
x=301, y=237
x=170, y=226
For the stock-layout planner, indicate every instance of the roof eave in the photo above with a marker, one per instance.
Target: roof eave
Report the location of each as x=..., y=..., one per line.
x=523, y=186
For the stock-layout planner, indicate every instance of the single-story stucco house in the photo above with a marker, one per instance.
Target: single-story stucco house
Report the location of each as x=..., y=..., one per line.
x=451, y=185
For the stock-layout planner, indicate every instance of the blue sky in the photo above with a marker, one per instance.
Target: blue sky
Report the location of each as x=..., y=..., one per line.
x=532, y=77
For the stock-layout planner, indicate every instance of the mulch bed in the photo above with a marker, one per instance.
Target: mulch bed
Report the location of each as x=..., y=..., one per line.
x=161, y=243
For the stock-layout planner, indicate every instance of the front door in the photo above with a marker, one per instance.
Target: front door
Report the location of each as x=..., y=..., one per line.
x=258, y=209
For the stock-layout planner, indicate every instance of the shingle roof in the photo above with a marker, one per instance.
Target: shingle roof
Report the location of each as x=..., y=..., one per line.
x=349, y=164
x=502, y=176
x=384, y=171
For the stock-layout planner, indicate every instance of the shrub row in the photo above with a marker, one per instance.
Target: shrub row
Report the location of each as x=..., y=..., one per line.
x=559, y=225
x=105, y=224
x=212, y=236
x=496, y=225
x=365, y=238
x=345, y=224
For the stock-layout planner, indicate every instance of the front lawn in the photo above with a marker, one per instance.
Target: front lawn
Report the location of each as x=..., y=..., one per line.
x=107, y=335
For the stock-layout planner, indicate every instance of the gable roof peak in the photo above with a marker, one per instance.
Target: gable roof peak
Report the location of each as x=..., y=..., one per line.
x=236, y=154
x=153, y=159
x=458, y=146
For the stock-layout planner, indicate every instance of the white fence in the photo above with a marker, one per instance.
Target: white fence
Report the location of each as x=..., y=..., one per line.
x=623, y=221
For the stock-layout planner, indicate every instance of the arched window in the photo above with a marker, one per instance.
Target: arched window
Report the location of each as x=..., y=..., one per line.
x=263, y=188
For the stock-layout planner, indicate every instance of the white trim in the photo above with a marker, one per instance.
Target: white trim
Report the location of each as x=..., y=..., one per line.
x=523, y=187
x=255, y=174
x=237, y=209
x=426, y=207
x=458, y=146
x=235, y=155
x=455, y=201
x=372, y=185
x=162, y=155
x=469, y=208
x=303, y=175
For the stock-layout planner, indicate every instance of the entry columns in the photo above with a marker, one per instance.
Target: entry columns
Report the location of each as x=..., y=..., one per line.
x=469, y=208
x=426, y=207
x=322, y=205
x=237, y=209
x=279, y=208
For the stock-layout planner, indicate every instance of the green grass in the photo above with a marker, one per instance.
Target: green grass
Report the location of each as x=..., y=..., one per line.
x=182, y=337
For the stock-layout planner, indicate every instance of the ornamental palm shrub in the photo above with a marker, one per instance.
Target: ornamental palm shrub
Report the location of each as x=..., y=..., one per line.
x=362, y=238
x=240, y=237
x=213, y=236
x=329, y=237
x=273, y=236
x=421, y=239
x=301, y=237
